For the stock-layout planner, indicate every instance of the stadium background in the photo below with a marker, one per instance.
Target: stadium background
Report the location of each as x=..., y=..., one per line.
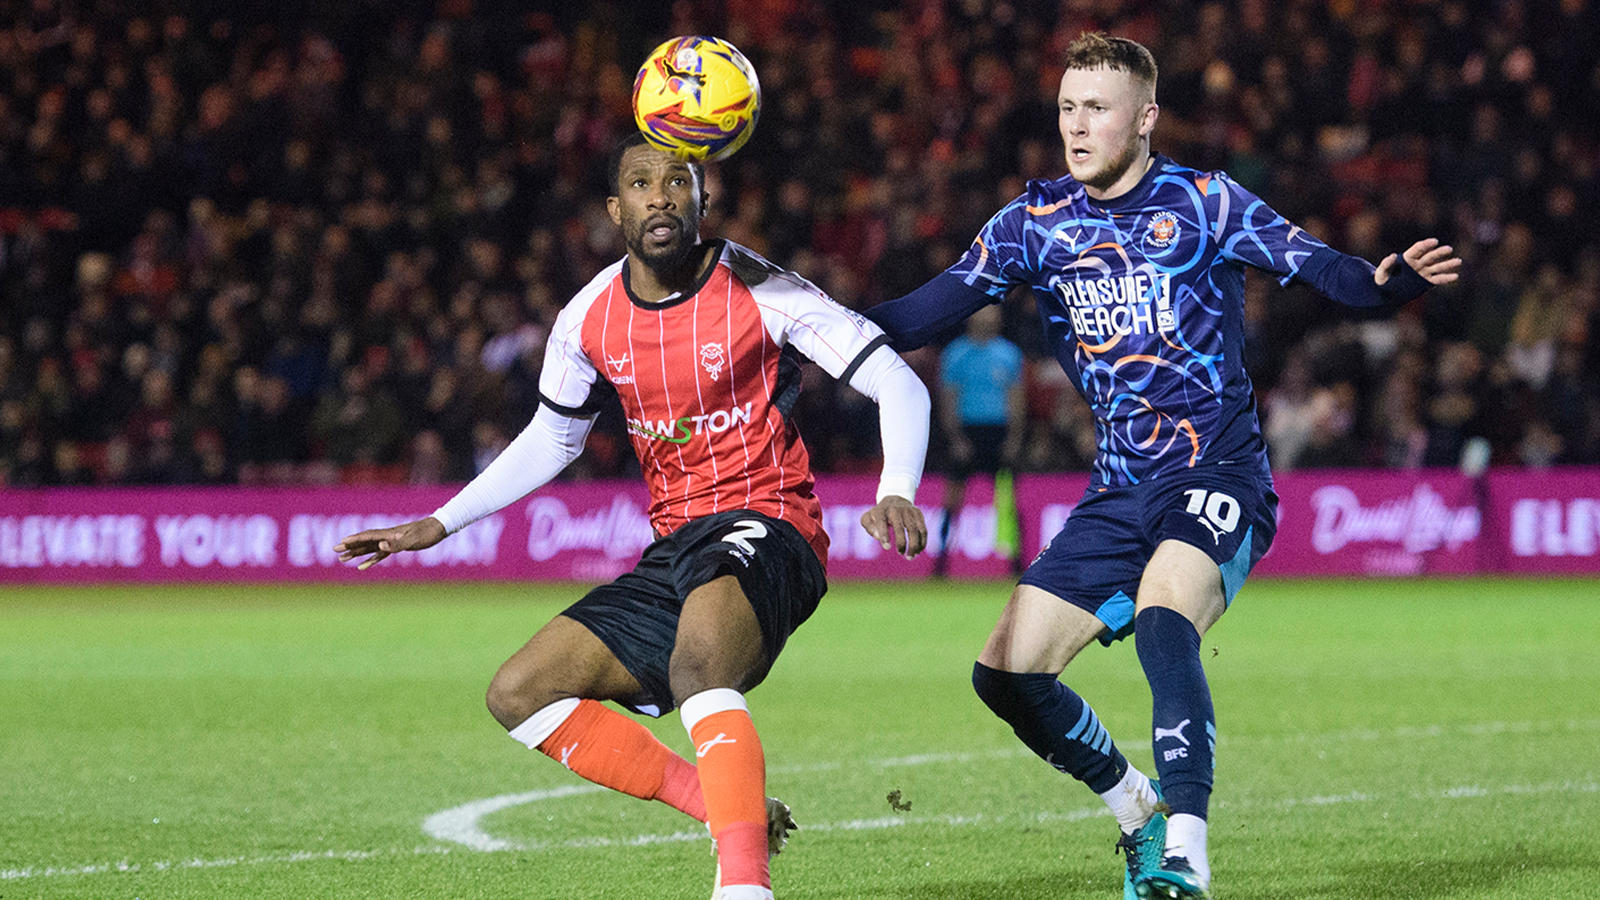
x=298, y=244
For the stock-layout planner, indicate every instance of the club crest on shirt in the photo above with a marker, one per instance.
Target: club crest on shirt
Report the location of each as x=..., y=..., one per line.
x=1163, y=230
x=711, y=359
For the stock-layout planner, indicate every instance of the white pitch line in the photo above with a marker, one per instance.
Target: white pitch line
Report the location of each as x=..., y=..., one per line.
x=461, y=822
x=473, y=837
x=1416, y=732
x=877, y=824
x=222, y=862
x=460, y=825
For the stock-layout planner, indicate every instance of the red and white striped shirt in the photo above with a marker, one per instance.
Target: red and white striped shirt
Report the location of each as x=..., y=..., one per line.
x=705, y=383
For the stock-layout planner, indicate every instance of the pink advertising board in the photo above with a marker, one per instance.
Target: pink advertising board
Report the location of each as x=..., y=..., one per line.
x=589, y=532
x=1354, y=523
x=1544, y=522
x=1329, y=523
x=1357, y=522
x=854, y=554
x=1043, y=503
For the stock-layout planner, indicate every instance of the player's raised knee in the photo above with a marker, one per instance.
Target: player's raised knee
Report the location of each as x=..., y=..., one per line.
x=518, y=691
x=504, y=700
x=1008, y=693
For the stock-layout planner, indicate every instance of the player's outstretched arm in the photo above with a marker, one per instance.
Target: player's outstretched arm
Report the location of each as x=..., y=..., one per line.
x=1435, y=262
x=551, y=441
x=897, y=525
x=1399, y=279
x=381, y=543
x=1260, y=237
x=944, y=302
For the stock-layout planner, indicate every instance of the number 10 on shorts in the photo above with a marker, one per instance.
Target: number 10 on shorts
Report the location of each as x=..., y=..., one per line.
x=1215, y=510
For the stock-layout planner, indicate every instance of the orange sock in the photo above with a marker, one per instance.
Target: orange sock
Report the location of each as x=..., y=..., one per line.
x=610, y=749
x=733, y=778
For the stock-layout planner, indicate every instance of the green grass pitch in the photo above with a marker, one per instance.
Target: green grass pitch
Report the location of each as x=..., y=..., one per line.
x=1413, y=739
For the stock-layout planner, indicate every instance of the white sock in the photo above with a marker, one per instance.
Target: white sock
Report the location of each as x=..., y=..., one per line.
x=1186, y=837
x=743, y=892
x=1132, y=801
x=706, y=703
x=544, y=723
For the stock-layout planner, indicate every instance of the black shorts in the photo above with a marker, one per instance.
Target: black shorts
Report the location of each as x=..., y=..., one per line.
x=636, y=616
x=987, y=441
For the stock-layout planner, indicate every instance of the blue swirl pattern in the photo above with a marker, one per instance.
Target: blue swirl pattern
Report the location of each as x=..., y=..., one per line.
x=1142, y=301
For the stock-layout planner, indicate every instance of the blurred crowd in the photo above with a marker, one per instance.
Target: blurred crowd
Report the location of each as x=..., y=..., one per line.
x=322, y=243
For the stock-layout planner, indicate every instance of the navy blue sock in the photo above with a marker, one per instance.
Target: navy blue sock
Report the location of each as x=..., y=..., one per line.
x=1054, y=722
x=1184, y=726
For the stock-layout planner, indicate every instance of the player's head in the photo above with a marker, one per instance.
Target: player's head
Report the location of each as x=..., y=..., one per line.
x=657, y=199
x=1106, y=107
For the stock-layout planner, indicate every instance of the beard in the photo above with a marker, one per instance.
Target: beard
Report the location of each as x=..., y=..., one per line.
x=1117, y=166
x=667, y=258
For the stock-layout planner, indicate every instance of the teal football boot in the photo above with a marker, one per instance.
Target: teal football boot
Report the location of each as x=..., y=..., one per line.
x=1174, y=879
x=1144, y=847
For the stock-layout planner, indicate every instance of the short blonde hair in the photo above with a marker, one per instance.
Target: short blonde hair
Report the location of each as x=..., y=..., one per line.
x=1097, y=50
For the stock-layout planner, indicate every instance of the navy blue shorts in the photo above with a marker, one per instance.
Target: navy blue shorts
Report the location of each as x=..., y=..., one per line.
x=636, y=616
x=1097, y=559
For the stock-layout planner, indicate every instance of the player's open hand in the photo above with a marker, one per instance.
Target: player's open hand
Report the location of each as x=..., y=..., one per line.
x=1433, y=261
x=897, y=524
x=381, y=543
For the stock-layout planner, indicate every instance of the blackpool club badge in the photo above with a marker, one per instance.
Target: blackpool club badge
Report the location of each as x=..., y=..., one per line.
x=1163, y=230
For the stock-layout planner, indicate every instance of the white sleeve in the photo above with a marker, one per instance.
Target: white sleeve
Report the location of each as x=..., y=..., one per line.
x=549, y=443
x=552, y=440
x=567, y=379
x=903, y=414
x=797, y=312
x=848, y=346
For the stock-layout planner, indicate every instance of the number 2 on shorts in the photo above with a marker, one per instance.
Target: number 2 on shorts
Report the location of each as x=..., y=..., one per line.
x=754, y=531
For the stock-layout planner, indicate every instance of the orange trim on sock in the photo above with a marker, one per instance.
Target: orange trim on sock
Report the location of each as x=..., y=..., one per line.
x=680, y=788
x=610, y=749
x=742, y=853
